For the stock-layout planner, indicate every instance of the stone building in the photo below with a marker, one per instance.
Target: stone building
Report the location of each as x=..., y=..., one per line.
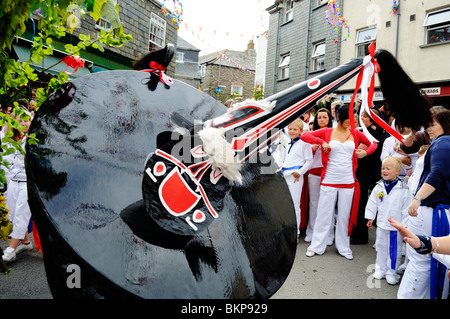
x=142, y=19
x=299, y=44
x=229, y=73
x=187, y=68
x=418, y=36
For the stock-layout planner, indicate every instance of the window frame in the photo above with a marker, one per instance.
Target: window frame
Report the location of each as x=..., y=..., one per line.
x=160, y=26
x=179, y=58
x=289, y=11
x=315, y=58
x=99, y=24
x=203, y=70
x=283, y=67
x=102, y=20
x=239, y=90
x=438, y=25
x=364, y=43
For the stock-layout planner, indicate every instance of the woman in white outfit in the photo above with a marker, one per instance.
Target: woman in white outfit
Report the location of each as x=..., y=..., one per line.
x=429, y=213
x=338, y=183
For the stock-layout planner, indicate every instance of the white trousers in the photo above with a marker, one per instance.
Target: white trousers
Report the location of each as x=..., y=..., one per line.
x=324, y=220
x=19, y=211
x=415, y=283
x=314, y=194
x=295, y=188
x=388, y=245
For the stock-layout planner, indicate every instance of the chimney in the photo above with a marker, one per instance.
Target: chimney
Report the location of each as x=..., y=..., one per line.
x=251, y=45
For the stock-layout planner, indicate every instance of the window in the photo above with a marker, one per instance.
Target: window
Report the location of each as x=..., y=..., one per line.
x=283, y=67
x=180, y=57
x=318, y=57
x=437, y=24
x=363, y=39
x=289, y=11
x=157, y=32
x=236, y=89
x=103, y=24
x=203, y=70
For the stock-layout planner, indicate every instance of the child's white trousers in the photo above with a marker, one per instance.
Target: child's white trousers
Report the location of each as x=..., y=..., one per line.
x=19, y=211
x=295, y=188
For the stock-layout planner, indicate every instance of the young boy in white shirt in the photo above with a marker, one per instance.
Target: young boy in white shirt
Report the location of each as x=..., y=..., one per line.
x=389, y=198
x=297, y=160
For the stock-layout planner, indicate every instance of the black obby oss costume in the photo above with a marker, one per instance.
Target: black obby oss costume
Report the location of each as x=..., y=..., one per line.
x=126, y=185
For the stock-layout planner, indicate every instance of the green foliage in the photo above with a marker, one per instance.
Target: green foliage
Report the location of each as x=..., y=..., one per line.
x=235, y=94
x=258, y=92
x=58, y=19
x=5, y=230
x=13, y=14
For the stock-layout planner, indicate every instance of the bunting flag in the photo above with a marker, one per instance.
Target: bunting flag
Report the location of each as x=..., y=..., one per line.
x=202, y=35
x=225, y=57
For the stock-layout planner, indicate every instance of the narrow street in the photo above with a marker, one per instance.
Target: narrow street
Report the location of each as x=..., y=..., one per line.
x=329, y=276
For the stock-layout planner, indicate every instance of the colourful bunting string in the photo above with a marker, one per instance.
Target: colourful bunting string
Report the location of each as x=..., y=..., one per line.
x=337, y=21
x=225, y=57
x=174, y=16
x=394, y=9
x=201, y=34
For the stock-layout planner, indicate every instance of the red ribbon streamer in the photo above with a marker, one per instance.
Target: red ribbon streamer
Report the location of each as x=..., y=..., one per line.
x=74, y=62
x=375, y=117
x=157, y=68
x=37, y=241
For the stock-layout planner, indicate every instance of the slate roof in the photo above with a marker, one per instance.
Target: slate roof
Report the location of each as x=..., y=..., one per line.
x=184, y=45
x=246, y=59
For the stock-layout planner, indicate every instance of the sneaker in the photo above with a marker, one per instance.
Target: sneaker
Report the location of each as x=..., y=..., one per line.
x=9, y=254
x=378, y=275
x=392, y=279
x=23, y=247
x=348, y=256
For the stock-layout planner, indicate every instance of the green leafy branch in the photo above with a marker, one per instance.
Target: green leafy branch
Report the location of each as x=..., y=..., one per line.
x=59, y=18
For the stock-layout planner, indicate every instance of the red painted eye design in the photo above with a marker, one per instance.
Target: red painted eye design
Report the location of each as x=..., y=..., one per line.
x=159, y=169
x=198, y=216
x=313, y=84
